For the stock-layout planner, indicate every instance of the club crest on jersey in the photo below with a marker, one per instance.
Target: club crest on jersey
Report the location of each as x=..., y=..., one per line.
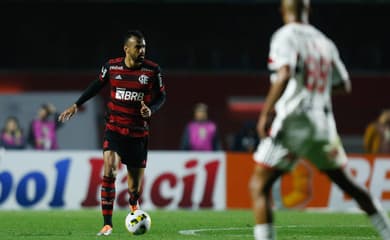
x=143, y=79
x=123, y=94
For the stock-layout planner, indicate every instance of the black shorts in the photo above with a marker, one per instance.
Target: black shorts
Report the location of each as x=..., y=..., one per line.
x=132, y=150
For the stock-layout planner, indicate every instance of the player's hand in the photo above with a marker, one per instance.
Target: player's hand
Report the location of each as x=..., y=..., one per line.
x=145, y=110
x=68, y=113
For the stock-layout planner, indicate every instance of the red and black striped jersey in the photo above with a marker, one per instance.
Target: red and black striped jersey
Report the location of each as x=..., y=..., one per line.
x=128, y=87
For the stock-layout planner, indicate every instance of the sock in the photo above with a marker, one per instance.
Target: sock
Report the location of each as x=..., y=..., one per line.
x=107, y=199
x=380, y=221
x=133, y=199
x=264, y=232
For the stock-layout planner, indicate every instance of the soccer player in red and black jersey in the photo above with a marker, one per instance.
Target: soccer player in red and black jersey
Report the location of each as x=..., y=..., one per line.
x=136, y=92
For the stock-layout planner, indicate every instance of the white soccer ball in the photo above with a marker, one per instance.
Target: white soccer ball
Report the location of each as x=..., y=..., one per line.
x=138, y=222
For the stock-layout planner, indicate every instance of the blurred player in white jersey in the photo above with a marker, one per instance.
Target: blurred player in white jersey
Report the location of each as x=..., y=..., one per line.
x=306, y=70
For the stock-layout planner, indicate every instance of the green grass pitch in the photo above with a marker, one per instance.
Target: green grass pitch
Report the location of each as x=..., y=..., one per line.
x=184, y=225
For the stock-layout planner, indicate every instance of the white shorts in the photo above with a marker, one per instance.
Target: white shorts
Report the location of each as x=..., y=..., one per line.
x=303, y=139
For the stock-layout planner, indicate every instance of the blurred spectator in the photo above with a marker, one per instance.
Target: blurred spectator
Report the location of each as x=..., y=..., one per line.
x=43, y=129
x=12, y=136
x=377, y=134
x=201, y=134
x=247, y=139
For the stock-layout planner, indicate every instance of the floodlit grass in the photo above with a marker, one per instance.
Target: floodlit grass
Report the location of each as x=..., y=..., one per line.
x=172, y=225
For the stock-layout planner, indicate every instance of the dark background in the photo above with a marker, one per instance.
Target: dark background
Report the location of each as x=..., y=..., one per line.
x=218, y=36
x=208, y=51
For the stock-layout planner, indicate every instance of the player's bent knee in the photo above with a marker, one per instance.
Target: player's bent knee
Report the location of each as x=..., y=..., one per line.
x=257, y=186
x=110, y=169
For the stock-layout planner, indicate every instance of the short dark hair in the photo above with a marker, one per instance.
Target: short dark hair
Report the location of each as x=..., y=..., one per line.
x=132, y=33
x=200, y=107
x=45, y=106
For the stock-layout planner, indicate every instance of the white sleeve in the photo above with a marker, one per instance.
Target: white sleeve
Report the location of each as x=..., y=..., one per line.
x=282, y=52
x=340, y=73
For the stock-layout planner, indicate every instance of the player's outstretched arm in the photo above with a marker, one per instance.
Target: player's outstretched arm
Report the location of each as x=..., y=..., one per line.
x=88, y=93
x=68, y=113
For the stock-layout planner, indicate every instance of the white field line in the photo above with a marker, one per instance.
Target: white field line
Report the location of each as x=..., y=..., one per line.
x=200, y=230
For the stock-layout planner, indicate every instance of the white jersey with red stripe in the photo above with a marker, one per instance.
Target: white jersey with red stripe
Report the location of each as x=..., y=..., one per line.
x=315, y=67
